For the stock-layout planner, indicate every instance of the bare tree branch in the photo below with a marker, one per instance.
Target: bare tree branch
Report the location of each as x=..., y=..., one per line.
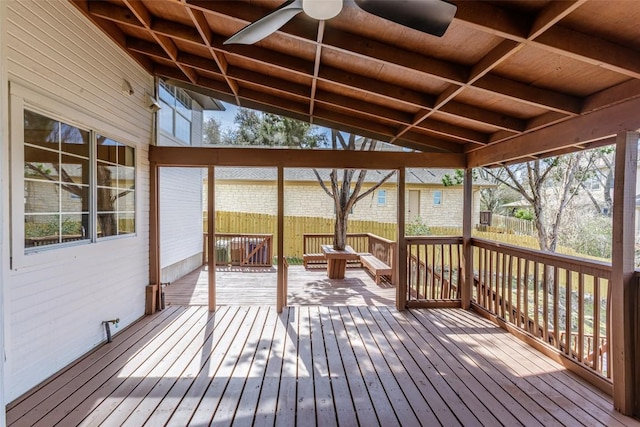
x=376, y=186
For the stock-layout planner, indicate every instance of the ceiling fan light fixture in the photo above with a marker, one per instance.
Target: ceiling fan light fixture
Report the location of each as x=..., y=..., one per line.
x=322, y=9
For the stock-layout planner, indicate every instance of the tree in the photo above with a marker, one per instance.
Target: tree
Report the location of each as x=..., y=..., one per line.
x=266, y=129
x=211, y=132
x=344, y=191
x=345, y=187
x=548, y=185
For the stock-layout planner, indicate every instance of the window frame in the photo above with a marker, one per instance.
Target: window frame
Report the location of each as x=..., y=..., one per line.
x=22, y=98
x=439, y=194
x=178, y=98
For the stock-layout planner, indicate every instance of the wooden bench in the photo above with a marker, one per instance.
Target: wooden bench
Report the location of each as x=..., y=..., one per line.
x=377, y=267
x=313, y=258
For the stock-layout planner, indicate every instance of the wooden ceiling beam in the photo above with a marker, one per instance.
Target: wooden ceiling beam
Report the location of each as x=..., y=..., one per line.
x=590, y=127
x=297, y=107
x=301, y=27
x=592, y=50
x=112, y=30
x=295, y=158
x=201, y=24
x=374, y=110
x=551, y=14
x=431, y=142
x=446, y=129
x=359, y=122
x=614, y=95
x=369, y=49
x=269, y=82
x=140, y=11
x=493, y=20
x=545, y=34
x=316, y=67
x=367, y=85
x=531, y=95
x=481, y=116
x=114, y=13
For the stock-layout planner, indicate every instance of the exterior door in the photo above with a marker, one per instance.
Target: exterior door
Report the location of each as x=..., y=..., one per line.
x=414, y=205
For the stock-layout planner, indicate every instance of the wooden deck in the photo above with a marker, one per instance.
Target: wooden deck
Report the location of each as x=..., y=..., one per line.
x=257, y=286
x=312, y=366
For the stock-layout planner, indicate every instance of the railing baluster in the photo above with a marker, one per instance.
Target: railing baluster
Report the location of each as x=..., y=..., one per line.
x=525, y=296
x=518, y=292
x=509, y=288
x=536, y=298
x=567, y=308
x=556, y=295
x=545, y=302
x=581, y=317
x=596, y=325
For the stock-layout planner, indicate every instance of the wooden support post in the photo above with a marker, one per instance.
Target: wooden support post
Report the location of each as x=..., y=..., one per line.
x=154, y=224
x=211, y=241
x=623, y=286
x=401, y=248
x=281, y=297
x=467, y=219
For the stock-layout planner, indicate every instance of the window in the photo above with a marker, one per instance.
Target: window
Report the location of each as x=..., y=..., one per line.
x=592, y=183
x=175, y=113
x=437, y=198
x=382, y=197
x=63, y=172
x=116, y=188
x=56, y=181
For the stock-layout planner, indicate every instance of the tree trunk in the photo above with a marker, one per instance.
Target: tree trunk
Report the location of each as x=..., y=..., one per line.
x=340, y=230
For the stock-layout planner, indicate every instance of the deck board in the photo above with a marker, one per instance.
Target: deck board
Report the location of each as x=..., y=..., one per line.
x=315, y=366
x=257, y=286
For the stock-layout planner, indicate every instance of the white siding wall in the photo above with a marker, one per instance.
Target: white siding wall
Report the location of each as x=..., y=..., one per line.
x=180, y=215
x=4, y=196
x=54, y=309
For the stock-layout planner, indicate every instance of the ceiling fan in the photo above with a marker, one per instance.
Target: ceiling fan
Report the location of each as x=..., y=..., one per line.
x=428, y=16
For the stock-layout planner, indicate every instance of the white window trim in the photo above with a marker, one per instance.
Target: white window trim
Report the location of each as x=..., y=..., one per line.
x=434, y=198
x=20, y=98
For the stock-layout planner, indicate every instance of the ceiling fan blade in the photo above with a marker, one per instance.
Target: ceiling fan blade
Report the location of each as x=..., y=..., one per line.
x=428, y=16
x=271, y=23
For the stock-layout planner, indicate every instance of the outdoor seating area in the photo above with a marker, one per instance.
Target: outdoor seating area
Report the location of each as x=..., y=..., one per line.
x=371, y=252
x=421, y=223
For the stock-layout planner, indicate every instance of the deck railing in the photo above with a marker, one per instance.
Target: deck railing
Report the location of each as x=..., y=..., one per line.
x=254, y=250
x=311, y=243
x=557, y=299
x=381, y=248
x=434, y=269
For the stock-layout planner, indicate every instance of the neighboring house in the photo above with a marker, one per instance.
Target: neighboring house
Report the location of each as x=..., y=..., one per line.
x=180, y=121
x=254, y=190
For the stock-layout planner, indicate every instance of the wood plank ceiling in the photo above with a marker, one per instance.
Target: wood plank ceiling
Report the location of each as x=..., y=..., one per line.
x=510, y=80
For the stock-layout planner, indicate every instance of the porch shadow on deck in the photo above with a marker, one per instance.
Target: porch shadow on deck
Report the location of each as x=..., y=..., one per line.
x=257, y=286
x=315, y=366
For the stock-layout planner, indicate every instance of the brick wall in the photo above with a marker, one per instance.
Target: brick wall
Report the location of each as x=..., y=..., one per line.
x=308, y=199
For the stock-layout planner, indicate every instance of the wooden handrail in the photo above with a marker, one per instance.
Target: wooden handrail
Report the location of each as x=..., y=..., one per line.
x=545, y=295
x=553, y=259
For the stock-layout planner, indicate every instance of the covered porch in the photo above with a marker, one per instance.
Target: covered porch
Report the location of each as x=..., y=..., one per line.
x=313, y=365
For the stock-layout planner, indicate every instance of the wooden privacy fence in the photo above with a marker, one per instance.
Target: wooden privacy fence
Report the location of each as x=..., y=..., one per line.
x=560, y=300
x=294, y=228
x=513, y=225
x=434, y=270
